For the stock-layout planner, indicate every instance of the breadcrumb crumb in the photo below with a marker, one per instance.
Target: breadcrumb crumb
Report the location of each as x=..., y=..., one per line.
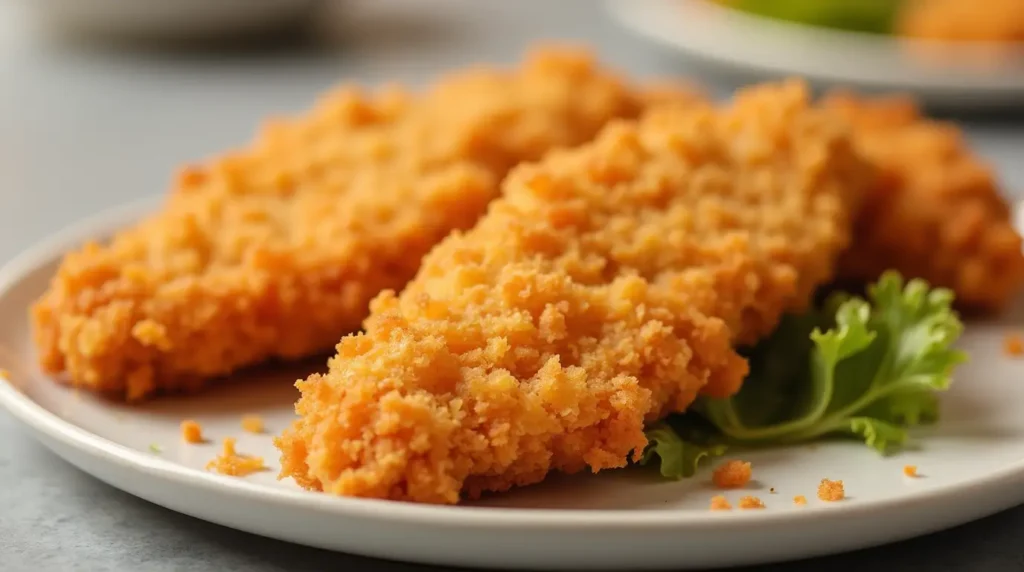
x=230, y=463
x=191, y=431
x=751, y=502
x=252, y=423
x=831, y=491
x=5, y=374
x=910, y=470
x=800, y=500
x=772, y=490
x=1013, y=345
x=732, y=474
x=718, y=502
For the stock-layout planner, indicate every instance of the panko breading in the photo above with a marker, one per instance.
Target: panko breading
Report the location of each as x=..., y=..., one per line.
x=600, y=292
x=936, y=211
x=275, y=251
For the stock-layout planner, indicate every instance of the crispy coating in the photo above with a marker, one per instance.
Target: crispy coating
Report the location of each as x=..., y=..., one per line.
x=936, y=210
x=275, y=251
x=605, y=289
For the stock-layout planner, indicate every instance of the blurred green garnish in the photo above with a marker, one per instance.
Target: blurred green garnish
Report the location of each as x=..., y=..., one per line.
x=873, y=16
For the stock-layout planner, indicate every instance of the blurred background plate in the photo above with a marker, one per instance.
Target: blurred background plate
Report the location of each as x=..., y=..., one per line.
x=172, y=20
x=965, y=75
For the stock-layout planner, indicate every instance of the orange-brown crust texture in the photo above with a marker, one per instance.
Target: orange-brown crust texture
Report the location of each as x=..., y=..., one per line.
x=600, y=292
x=936, y=210
x=275, y=251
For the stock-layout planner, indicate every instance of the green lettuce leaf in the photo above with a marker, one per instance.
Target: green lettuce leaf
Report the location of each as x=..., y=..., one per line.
x=873, y=16
x=861, y=368
x=677, y=457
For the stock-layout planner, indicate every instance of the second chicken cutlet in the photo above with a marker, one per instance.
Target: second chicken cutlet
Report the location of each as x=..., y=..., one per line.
x=935, y=211
x=274, y=251
x=607, y=288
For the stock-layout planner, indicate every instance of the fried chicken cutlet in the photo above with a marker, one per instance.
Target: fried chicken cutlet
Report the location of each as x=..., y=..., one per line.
x=936, y=210
x=606, y=288
x=275, y=251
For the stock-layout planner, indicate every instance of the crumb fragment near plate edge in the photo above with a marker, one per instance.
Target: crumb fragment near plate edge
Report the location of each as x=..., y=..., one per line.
x=732, y=474
x=233, y=464
x=1013, y=344
x=750, y=502
x=831, y=491
x=719, y=502
x=191, y=431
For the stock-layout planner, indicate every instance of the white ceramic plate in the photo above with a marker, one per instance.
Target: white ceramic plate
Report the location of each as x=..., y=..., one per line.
x=972, y=465
x=938, y=74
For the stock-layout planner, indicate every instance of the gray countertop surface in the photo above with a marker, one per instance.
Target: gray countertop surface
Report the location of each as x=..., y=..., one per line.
x=83, y=129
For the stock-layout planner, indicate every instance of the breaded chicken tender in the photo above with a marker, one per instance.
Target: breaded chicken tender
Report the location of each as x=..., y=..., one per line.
x=275, y=250
x=606, y=288
x=936, y=210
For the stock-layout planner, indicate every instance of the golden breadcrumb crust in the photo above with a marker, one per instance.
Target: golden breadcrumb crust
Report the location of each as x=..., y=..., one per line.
x=600, y=292
x=275, y=250
x=935, y=212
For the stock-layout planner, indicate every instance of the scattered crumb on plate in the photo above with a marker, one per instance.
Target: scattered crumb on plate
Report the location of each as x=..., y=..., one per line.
x=4, y=373
x=750, y=502
x=732, y=474
x=910, y=470
x=252, y=423
x=191, y=431
x=230, y=463
x=831, y=491
x=771, y=490
x=718, y=502
x=1013, y=345
x=800, y=500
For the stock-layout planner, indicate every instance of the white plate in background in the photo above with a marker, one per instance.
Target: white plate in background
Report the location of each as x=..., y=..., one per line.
x=972, y=465
x=940, y=75
x=171, y=20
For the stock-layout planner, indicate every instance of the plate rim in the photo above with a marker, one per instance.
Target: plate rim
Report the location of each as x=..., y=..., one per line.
x=45, y=422
x=625, y=13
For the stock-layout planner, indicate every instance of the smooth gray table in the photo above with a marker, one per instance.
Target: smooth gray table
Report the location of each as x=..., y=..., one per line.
x=81, y=131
